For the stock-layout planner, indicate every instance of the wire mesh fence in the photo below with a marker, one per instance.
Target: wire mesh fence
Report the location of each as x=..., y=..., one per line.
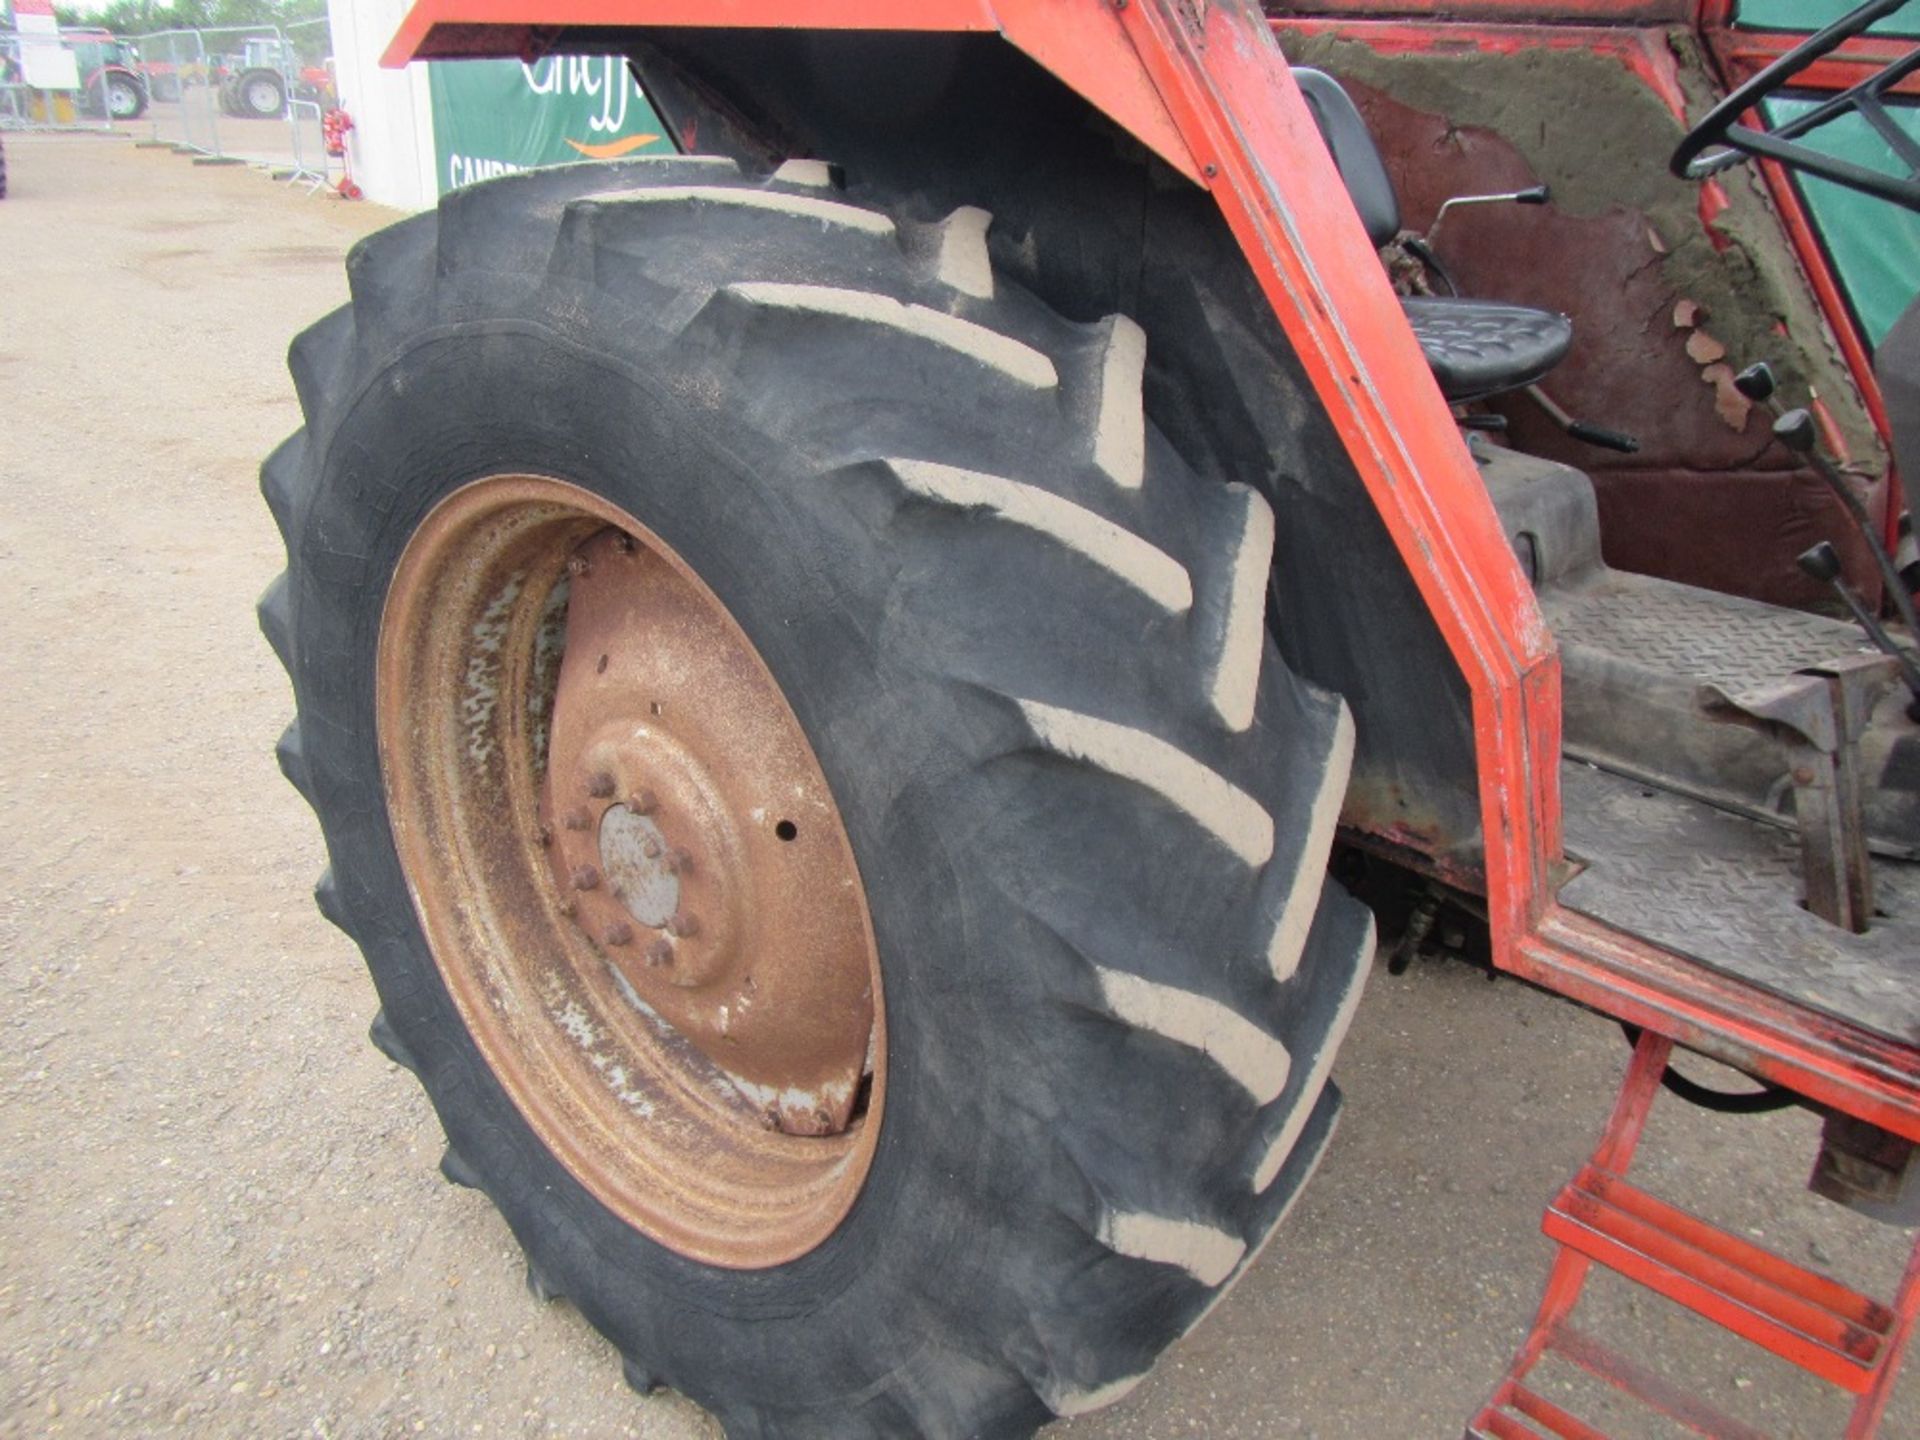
x=236, y=94
x=76, y=79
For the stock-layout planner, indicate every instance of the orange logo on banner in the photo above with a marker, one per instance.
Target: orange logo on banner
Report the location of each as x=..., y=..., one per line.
x=611, y=149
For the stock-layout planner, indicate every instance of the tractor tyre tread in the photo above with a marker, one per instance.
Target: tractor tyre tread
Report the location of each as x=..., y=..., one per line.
x=1064, y=626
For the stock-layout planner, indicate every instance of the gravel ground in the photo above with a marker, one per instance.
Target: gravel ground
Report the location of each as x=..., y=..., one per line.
x=219, y=1214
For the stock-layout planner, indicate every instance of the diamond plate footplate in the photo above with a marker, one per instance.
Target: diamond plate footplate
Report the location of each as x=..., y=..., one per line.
x=1697, y=635
x=1725, y=891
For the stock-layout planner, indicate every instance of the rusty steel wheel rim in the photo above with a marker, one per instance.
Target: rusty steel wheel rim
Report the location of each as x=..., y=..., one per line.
x=630, y=870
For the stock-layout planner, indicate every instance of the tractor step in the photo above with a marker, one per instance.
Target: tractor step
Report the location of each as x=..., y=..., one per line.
x=1807, y=1319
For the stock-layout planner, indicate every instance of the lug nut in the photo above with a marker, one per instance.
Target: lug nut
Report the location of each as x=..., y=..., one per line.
x=569, y=909
x=642, y=802
x=683, y=924
x=679, y=862
x=650, y=848
x=585, y=877
x=624, y=544
x=578, y=565
x=660, y=953
x=620, y=933
x=576, y=819
x=600, y=786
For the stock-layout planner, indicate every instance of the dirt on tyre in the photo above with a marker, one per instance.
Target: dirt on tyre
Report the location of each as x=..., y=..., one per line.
x=737, y=635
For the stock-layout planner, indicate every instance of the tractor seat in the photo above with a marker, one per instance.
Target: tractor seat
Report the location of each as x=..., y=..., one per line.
x=1476, y=348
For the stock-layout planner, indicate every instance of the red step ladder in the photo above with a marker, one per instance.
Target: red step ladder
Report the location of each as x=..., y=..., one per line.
x=1816, y=1323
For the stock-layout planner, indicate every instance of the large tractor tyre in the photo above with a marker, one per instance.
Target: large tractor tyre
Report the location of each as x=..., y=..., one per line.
x=805, y=766
x=260, y=95
x=126, y=97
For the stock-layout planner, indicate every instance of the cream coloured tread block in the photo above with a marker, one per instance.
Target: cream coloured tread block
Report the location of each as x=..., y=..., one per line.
x=817, y=174
x=1315, y=1078
x=960, y=252
x=1208, y=1254
x=1255, y=1059
x=1145, y=567
x=1019, y=362
x=1119, y=421
x=1301, y=901
x=1233, y=680
x=806, y=207
x=1220, y=807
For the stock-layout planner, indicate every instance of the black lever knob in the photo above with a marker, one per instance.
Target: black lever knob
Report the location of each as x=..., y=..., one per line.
x=1796, y=431
x=1756, y=382
x=1536, y=195
x=1821, y=563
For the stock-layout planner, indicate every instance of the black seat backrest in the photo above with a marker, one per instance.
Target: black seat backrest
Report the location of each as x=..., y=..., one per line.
x=1354, y=153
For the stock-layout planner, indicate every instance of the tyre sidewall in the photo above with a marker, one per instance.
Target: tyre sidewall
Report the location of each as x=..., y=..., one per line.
x=949, y=1209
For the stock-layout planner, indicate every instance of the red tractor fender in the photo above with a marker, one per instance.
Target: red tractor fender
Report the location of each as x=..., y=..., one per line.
x=1207, y=89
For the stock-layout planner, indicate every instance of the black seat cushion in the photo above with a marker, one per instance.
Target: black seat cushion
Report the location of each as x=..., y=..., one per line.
x=1481, y=347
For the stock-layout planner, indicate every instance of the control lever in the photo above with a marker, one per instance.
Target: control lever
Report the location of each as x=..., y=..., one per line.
x=1795, y=430
x=1756, y=382
x=1580, y=430
x=1822, y=563
x=1532, y=195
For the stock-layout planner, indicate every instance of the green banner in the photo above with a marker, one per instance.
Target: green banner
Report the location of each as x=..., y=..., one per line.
x=493, y=117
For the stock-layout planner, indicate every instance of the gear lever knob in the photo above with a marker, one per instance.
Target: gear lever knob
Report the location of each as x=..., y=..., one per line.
x=1756, y=382
x=1821, y=563
x=1795, y=430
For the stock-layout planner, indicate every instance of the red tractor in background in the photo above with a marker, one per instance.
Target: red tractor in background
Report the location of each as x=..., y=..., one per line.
x=870, y=686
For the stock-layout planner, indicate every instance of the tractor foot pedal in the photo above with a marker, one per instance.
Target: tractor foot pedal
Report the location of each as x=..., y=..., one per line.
x=1807, y=1319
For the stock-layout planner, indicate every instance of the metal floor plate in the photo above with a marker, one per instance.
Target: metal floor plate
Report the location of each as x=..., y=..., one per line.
x=1725, y=891
x=1695, y=635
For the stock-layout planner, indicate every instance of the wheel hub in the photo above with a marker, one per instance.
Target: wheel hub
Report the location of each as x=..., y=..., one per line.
x=631, y=872
x=683, y=809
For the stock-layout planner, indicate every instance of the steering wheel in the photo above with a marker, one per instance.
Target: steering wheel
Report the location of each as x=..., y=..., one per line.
x=1694, y=160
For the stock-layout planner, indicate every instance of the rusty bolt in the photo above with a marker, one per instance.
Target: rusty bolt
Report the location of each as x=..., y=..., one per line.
x=585, y=877
x=576, y=819
x=619, y=933
x=679, y=862
x=600, y=785
x=569, y=909
x=683, y=924
x=578, y=565
x=659, y=953
x=546, y=834
x=624, y=544
x=643, y=801
x=1803, y=776
x=650, y=848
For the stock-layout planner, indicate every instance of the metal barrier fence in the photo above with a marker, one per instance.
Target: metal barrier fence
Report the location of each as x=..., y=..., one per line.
x=76, y=80
x=241, y=94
